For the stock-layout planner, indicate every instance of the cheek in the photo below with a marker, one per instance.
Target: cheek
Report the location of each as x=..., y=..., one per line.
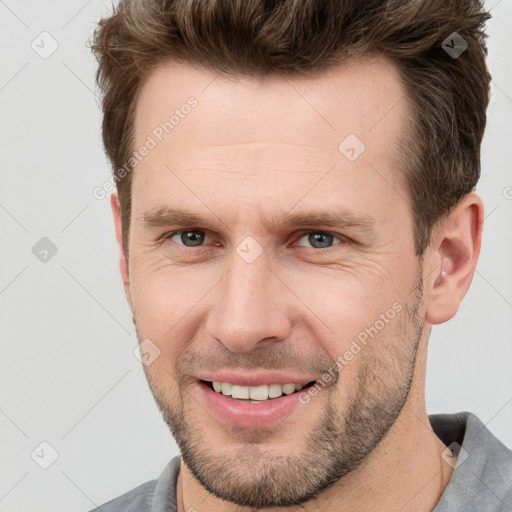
x=358, y=322
x=168, y=302
x=376, y=356
x=161, y=289
x=337, y=307
x=158, y=302
x=344, y=304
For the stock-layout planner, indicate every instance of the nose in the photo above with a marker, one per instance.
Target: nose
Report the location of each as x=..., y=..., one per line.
x=252, y=306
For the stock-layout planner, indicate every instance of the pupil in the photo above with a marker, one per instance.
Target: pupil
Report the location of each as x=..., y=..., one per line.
x=316, y=238
x=192, y=236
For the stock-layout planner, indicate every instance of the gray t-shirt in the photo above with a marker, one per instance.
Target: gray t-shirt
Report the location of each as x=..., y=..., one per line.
x=480, y=482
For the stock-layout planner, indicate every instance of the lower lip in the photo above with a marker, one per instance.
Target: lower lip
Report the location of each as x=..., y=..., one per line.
x=242, y=414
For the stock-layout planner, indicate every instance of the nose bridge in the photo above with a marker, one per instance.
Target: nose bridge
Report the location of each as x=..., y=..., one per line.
x=250, y=308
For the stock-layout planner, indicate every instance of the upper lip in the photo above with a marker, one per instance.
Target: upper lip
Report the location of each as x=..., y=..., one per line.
x=255, y=378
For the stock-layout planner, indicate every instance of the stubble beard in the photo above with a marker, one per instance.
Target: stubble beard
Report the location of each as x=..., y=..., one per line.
x=258, y=477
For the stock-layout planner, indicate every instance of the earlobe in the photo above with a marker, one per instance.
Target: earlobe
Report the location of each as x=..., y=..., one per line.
x=123, y=260
x=453, y=253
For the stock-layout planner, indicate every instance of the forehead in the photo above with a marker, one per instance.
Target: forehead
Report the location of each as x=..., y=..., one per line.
x=364, y=97
x=270, y=139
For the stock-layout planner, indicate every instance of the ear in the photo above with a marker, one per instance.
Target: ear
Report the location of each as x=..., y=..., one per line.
x=123, y=260
x=452, y=258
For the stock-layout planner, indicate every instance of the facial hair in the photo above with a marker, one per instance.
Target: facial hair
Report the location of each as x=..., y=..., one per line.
x=340, y=441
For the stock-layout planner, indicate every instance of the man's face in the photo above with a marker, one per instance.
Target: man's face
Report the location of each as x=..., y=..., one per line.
x=259, y=290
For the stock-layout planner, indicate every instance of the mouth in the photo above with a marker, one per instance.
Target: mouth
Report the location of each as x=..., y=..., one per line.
x=261, y=406
x=256, y=394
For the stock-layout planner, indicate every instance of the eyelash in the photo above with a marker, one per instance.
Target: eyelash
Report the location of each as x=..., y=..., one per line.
x=342, y=239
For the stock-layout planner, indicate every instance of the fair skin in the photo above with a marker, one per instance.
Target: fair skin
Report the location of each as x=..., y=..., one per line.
x=251, y=152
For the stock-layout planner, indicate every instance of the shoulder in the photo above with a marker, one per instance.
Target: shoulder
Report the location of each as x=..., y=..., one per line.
x=136, y=500
x=482, y=476
x=159, y=494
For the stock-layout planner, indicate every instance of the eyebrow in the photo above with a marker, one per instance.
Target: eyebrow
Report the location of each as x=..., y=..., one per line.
x=340, y=217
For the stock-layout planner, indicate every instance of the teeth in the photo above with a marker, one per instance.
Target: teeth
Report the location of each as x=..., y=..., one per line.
x=288, y=389
x=256, y=393
x=240, y=392
x=275, y=390
x=226, y=388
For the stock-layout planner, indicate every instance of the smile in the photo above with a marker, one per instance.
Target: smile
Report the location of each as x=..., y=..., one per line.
x=255, y=394
x=260, y=406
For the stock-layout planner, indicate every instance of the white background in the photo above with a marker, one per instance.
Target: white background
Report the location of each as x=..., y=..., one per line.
x=68, y=375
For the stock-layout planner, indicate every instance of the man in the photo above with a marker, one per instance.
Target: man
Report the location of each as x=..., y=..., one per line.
x=295, y=210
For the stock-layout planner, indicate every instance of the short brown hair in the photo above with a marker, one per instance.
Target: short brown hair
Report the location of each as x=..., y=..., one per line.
x=448, y=93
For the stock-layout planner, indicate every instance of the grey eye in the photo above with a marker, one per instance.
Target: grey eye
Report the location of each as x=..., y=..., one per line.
x=319, y=240
x=190, y=238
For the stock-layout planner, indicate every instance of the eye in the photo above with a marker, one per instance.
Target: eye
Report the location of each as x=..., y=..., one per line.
x=196, y=238
x=188, y=237
x=321, y=240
